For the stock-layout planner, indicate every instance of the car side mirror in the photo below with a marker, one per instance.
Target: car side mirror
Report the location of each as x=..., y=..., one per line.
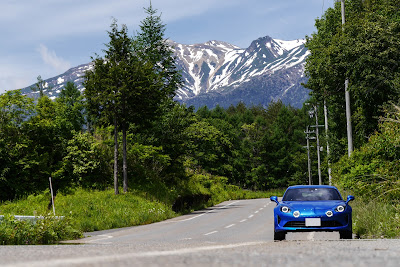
x=275, y=199
x=350, y=198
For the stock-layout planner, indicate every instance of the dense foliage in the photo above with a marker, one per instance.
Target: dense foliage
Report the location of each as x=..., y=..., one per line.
x=372, y=174
x=366, y=50
x=253, y=147
x=374, y=169
x=46, y=230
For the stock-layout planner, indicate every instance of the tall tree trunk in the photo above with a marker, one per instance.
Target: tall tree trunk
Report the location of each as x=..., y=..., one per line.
x=124, y=164
x=115, y=156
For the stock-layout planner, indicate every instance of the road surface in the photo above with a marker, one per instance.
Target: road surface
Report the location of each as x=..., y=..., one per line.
x=233, y=233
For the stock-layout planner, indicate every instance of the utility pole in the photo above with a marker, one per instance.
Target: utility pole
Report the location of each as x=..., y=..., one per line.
x=316, y=126
x=318, y=148
x=347, y=97
x=307, y=132
x=327, y=143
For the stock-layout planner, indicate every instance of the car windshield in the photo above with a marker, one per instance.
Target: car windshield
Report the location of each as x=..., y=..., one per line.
x=311, y=194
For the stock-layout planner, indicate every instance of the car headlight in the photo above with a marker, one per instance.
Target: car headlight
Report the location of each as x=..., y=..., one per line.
x=329, y=213
x=285, y=209
x=296, y=214
x=340, y=208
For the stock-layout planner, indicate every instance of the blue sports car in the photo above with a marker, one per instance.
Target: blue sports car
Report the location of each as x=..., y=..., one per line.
x=309, y=208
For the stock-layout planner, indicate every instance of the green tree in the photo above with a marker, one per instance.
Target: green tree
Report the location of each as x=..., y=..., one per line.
x=85, y=162
x=374, y=169
x=366, y=52
x=169, y=132
x=46, y=143
x=15, y=109
x=207, y=147
x=106, y=85
x=40, y=85
x=151, y=46
x=70, y=109
x=125, y=89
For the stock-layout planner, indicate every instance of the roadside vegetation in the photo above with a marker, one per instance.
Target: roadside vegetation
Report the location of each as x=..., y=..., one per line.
x=372, y=173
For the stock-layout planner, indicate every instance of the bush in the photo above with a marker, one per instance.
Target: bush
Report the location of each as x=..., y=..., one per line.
x=372, y=175
x=204, y=190
x=100, y=210
x=376, y=219
x=48, y=230
x=373, y=170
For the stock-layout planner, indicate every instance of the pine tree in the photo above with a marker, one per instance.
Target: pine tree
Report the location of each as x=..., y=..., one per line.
x=105, y=86
x=151, y=46
x=127, y=86
x=39, y=86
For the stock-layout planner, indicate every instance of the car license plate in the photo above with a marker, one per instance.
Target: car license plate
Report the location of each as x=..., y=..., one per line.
x=313, y=221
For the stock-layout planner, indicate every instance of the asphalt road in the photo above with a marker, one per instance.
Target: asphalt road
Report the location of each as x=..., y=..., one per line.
x=233, y=233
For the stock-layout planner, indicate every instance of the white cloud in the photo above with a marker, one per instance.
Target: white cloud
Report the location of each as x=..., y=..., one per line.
x=12, y=82
x=15, y=74
x=49, y=19
x=50, y=58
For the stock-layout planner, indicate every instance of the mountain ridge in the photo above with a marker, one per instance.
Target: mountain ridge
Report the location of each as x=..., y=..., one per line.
x=216, y=72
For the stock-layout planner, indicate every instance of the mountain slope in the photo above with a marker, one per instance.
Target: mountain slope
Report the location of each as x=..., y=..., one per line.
x=220, y=73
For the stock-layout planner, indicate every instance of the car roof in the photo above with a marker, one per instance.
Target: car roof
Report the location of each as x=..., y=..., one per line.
x=311, y=186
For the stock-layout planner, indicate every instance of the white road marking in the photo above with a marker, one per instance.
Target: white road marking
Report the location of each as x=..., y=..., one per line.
x=251, y=216
x=243, y=220
x=229, y=226
x=210, y=233
x=256, y=211
x=100, y=237
x=197, y=216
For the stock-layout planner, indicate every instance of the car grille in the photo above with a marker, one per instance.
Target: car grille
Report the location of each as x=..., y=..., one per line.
x=323, y=224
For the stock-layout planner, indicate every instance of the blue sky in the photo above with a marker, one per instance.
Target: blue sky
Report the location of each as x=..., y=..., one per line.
x=47, y=37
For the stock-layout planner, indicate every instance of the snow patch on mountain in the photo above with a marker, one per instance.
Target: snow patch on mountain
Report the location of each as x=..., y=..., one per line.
x=219, y=71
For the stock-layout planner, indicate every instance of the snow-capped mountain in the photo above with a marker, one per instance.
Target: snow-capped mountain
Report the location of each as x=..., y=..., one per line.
x=220, y=73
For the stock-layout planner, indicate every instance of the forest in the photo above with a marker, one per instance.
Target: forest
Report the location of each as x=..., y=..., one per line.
x=254, y=147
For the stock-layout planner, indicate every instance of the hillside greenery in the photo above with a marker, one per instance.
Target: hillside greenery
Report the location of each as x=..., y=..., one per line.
x=366, y=50
x=253, y=147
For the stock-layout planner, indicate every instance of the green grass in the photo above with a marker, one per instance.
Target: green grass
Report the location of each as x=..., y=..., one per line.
x=48, y=230
x=94, y=210
x=376, y=219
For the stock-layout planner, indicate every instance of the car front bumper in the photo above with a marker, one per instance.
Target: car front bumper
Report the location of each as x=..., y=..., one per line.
x=288, y=223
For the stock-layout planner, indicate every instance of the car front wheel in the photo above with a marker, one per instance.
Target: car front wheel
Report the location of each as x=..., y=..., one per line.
x=346, y=235
x=279, y=236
